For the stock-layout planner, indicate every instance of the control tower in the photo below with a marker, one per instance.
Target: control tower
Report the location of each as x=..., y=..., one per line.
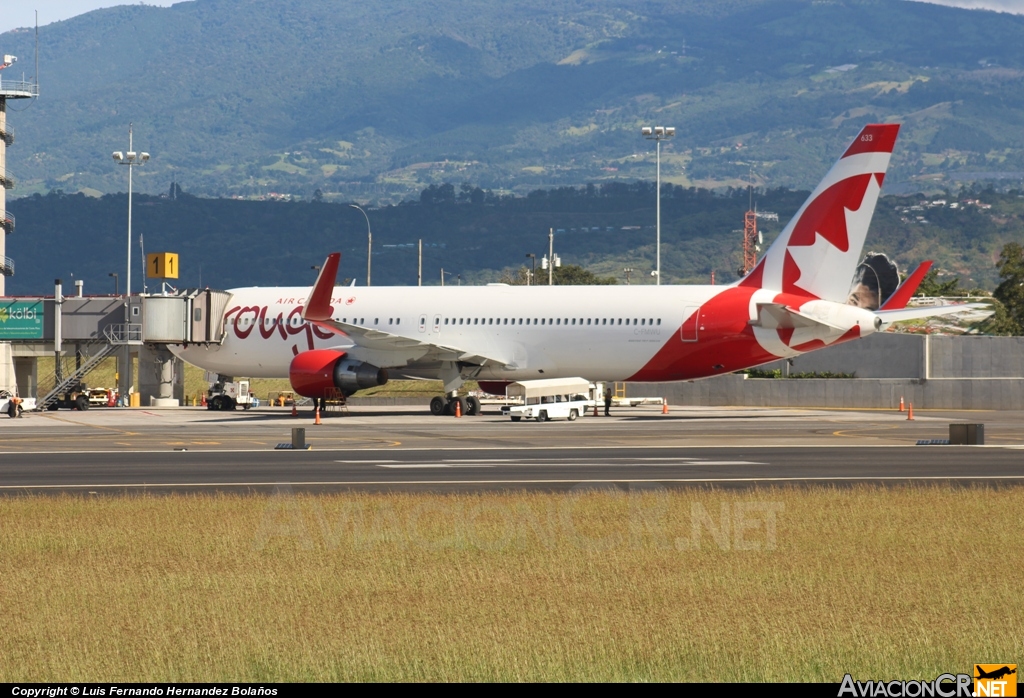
x=9, y=89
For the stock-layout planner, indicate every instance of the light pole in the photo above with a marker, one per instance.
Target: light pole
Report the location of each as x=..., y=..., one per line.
x=658, y=134
x=369, y=241
x=627, y=271
x=117, y=291
x=443, y=272
x=533, y=269
x=132, y=160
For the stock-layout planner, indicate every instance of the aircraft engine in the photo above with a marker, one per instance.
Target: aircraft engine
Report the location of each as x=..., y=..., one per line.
x=317, y=372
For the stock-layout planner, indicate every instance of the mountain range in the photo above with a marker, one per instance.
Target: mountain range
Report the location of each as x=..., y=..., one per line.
x=375, y=101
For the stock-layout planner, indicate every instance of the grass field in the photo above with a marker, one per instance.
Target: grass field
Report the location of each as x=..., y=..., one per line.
x=681, y=585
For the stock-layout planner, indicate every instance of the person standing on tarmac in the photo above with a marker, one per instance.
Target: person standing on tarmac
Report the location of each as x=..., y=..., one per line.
x=607, y=401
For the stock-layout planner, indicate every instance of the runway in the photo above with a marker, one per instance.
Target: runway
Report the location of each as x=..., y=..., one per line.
x=489, y=469
x=120, y=451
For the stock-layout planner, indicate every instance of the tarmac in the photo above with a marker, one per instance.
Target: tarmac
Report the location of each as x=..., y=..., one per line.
x=117, y=451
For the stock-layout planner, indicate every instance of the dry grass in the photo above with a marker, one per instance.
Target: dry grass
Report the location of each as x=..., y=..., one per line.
x=883, y=583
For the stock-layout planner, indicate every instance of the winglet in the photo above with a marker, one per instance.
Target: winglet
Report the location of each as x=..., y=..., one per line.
x=902, y=295
x=318, y=305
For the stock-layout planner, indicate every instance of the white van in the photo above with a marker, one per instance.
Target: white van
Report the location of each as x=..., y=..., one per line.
x=13, y=406
x=551, y=398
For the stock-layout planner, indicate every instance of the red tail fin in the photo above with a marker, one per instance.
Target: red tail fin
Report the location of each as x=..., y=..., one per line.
x=819, y=250
x=902, y=295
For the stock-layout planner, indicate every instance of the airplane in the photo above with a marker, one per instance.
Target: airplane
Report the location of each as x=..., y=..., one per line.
x=995, y=674
x=329, y=339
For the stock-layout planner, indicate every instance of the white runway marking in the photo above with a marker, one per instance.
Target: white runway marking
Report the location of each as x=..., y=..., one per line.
x=425, y=465
x=568, y=462
x=373, y=462
x=721, y=462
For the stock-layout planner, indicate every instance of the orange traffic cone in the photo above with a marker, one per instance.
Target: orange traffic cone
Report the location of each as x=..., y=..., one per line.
x=203, y=403
x=458, y=408
x=664, y=406
x=901, y=403
x=910, y=412
x=595, y=408
x=317, y=420
x=295, y=410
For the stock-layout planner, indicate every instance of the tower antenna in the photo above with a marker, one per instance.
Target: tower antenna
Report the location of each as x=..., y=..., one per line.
x=36, y=81
x=752, y=237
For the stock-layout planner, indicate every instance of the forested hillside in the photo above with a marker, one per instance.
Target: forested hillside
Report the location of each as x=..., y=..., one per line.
x=475, y=233
x=375, y=101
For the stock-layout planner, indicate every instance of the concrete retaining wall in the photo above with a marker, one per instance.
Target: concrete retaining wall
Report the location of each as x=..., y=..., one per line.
x=888, y=355
x=967, y=394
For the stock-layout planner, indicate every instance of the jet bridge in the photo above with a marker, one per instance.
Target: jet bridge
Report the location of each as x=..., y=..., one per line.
x=97, y=326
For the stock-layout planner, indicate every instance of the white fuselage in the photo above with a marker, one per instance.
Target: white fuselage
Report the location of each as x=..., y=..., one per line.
x=600, y=332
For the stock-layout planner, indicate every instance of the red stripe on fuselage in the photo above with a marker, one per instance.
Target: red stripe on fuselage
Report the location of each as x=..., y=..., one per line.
x=725, y=342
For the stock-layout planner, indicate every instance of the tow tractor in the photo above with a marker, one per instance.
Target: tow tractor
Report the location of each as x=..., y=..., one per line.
x=76, y=397
x=226, y=394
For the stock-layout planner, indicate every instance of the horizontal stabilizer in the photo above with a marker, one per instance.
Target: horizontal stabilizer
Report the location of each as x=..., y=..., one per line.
x=773, y=316
x=890, y=316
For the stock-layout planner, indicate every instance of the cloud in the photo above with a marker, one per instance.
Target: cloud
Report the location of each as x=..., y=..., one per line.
x=1013, y=6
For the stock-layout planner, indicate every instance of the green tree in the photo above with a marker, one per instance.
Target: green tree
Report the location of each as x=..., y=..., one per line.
x=933, y=288
x=574, y=275
x=516, y=277
x=1010, y=293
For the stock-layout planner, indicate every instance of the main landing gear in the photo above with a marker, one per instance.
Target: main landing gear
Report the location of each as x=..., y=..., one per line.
x=445, y=406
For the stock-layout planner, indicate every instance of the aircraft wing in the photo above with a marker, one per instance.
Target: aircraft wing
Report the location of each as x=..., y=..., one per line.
x=371, y=338
x=317, y=310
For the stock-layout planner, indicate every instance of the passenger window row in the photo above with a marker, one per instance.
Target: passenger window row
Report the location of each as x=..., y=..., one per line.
x=483, y=321
x=553, y=321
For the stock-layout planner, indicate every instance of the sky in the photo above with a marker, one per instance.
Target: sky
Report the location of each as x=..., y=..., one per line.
x=20, y=13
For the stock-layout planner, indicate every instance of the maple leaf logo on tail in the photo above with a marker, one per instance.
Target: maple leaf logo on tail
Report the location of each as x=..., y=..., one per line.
x=818, y=252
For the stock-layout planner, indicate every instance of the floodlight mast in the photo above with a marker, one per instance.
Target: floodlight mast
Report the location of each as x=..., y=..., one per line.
x=369, y=241
x=132, y=159
x=658, y=134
